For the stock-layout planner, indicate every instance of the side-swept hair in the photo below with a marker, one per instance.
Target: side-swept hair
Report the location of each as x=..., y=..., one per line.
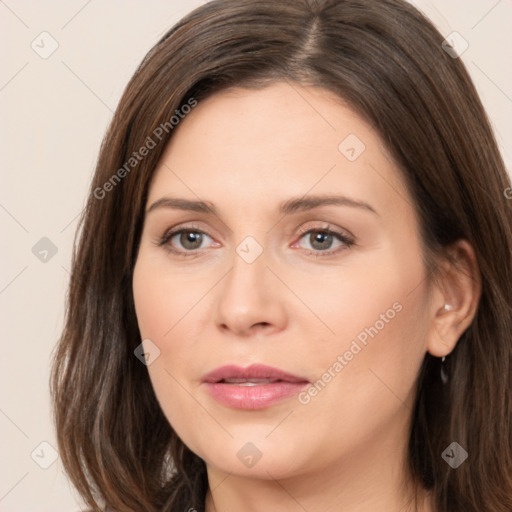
x=385, y=59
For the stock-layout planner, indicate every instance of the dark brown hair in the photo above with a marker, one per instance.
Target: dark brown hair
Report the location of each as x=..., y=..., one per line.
x=385, y=59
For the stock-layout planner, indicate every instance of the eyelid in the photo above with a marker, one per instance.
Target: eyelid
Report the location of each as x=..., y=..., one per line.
x=176, y=230
x=170, y=232
x=344, y=236
x=327, y=227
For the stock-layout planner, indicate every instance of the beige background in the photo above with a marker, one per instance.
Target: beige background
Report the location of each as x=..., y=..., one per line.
x=54, y=113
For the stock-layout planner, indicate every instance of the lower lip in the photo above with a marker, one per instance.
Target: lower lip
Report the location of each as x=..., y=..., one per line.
x=253, y=397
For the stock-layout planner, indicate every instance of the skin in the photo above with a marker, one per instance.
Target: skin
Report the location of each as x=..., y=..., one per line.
x=246, y=151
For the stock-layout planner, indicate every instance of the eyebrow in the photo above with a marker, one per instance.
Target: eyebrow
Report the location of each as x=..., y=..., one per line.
x=287, y=207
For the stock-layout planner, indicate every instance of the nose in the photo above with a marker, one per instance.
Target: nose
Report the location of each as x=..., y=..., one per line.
x=251, y=300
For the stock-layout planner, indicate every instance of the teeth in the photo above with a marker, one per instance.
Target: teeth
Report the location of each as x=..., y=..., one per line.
x=248, y=382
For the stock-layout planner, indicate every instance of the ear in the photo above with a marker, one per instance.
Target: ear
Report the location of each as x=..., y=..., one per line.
x=455, y=298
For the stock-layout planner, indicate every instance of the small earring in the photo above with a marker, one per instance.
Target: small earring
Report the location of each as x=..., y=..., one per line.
x=447, y=307
x=444, y=375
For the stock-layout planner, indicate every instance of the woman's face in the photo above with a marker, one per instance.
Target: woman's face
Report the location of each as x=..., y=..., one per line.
x=257, y=280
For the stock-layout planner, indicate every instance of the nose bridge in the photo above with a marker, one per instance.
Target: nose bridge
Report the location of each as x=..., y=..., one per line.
x=245, y=282
x=246, y=297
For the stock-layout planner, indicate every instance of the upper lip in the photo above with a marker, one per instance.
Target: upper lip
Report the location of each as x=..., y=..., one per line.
x=254, y=371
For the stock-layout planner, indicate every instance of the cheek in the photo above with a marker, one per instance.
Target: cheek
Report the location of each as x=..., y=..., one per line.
x=365, y=373
x=166, y=306
x=378, y=312
x=163, y=298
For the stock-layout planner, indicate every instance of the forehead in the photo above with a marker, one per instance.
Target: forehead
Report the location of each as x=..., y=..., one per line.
x=264, y=145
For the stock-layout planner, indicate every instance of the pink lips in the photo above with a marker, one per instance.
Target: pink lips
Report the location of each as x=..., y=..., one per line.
x=254, y=387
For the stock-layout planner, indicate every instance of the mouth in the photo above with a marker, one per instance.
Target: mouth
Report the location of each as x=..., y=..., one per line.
x=249, y=382
x=254, y=387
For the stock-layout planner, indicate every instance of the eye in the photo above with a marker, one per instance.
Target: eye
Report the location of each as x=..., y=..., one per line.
x=184, y=240
x=187, y=241
x=321, y=241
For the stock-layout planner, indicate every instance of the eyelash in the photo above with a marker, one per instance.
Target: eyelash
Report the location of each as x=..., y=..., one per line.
x=345, y=239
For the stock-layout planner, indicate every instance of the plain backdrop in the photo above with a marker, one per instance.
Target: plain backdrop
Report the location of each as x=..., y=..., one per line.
x=54, y=109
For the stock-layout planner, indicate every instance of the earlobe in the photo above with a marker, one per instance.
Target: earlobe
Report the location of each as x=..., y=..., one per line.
x=455, y=302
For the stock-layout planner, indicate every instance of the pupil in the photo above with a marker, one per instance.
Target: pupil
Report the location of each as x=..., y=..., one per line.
x=321, y=237
x=190, y=237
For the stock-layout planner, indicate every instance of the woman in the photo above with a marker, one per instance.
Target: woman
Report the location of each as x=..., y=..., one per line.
x=291, y=288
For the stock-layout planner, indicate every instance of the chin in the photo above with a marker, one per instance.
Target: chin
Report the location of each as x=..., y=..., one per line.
x=255, y=456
